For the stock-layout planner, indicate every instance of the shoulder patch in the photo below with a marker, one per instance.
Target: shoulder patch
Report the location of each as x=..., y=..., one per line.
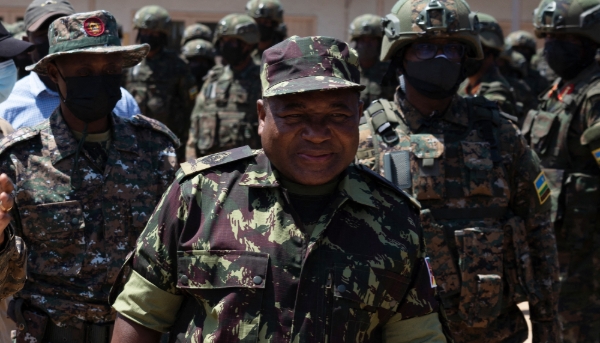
x=149, y=123
x=16, y=137
x=203, y=163
x=542, y=188
x=389, y=184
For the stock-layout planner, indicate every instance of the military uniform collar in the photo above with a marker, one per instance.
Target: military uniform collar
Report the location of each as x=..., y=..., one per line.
x=456, y=113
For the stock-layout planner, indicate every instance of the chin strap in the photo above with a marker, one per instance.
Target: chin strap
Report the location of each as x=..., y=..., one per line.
x=76, y=183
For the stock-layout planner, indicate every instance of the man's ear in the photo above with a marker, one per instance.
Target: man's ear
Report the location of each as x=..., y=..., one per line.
x=52, y=72
x=261, y=109
x=361, y=108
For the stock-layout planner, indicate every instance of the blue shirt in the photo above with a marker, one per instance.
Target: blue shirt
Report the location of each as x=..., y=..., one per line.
x=31, y=102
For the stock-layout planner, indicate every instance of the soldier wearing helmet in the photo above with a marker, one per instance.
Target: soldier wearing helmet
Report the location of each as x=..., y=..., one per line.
x=162, y=83
x=268, y=15
x=200, y=56
x=196, y=31
x=565, y=133
x=483, y=77
x=524, y=43
x=365, y=36
x=513, y=67
x=487, y=226
x=224, y=116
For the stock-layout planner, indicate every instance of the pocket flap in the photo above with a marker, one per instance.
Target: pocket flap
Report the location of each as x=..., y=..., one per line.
x=54, y=221
x=210, y=269
x=477, y=155
x=370, y=286
x=427, y=145
x=542, y=125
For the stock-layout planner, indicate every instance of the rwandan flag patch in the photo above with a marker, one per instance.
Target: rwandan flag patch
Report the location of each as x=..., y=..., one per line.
x=542, y=188
x=596, y=154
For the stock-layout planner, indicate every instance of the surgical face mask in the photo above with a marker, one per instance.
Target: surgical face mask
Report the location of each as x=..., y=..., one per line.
x=233, y=52
x=91, y=98
x=568, y=59
x=435, y=78
x=8, y=78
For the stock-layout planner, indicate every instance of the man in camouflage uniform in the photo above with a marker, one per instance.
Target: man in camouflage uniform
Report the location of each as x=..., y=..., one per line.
x=200, y=57
x=268, y=15
x=365, y=36
x=290, y=244
x=524, y=43
x=513, y=67
x=86, y=182
x=565, y=132
x=488, y=233
x=224, y=116
x=162, y=84
x=483, y=77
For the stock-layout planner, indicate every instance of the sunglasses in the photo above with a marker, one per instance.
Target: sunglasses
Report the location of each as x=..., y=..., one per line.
x=426, y=51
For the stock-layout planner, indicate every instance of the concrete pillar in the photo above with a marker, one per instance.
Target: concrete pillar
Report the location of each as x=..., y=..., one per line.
x=516, y=16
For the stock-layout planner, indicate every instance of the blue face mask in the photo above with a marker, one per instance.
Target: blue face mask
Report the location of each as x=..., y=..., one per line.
x=8, y=78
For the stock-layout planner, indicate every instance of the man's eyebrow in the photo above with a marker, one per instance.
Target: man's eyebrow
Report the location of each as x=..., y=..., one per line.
x=339, y=106
x=293, y=106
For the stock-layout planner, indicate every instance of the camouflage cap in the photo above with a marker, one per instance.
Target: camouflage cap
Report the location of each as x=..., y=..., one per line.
x=88, y=33
x=305, y=64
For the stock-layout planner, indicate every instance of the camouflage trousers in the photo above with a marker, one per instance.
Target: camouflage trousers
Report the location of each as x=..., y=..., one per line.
x=579, y=313
x=509, y=327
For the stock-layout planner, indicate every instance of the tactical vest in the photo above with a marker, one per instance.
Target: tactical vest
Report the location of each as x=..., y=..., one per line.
x=228, y=117
x=466, y=171
x=376, y=87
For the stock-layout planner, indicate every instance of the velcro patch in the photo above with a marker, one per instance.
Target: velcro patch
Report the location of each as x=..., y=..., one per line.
x=542, y=188
x=596, y=154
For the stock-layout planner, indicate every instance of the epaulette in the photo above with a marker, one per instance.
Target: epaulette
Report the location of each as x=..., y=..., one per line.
x=389, y=184
x=149, y=123
x=192, y=167
x=18, y=136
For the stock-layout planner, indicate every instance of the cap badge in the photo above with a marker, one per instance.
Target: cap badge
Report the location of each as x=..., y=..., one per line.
x=93, y=27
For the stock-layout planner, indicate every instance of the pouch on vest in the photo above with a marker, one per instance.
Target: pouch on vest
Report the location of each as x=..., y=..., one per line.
x=222, y=130
x=396, y=165
x=477, y=158
x=481, y=267
x=542, y=128
x=428, y=171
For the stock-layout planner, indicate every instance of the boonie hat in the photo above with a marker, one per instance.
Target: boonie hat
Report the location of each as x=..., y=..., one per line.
x=41, y=10
x=10, y=47
x=88, y=33
x=305, y=64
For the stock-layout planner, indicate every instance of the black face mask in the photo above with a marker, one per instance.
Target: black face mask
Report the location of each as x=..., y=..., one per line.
x=567, y=59
x=91, y=98
x=266, y=33
x=472, y=66
x=232, y=52
x=155, y=42
x=436, y=78
x=199, y=69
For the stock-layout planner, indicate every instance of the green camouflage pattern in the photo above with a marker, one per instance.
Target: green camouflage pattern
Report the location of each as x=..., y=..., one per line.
x=13, y=265
x=70, y=35
x=224, y=116
x=411, y=20
x=152, y=17
x=366, y=25
x=493, y=86
x=490, y=240
x=165, y=90
x=375, y=86
x=238, y=26
x=521, y=38
x=571, y=167
x=578, y=17
x=306, y=64
x=490, y=35
x=198, y=48
x=79, y=232
x=255, y=276
x=196, y=31
x=270, y=9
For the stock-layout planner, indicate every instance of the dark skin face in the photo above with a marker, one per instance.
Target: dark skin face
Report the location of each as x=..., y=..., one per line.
x=76, y=65
x=311, y=137
x=264, y=45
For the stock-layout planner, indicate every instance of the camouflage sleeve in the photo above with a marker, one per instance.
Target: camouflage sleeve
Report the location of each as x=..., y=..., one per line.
x=504, y=98
x=13, y=264
x=166, y=167
x=194, y=132
x=530, y=201
x=421, y=329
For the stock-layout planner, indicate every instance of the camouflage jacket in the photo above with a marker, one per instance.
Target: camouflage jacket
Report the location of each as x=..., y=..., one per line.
x=376, y=86
x=78, y=235
x=493, y=86
x=225, y=114
x=225, y=238
x=13, y=264
x=165, y=90
x=474, y=175
x=565, y=132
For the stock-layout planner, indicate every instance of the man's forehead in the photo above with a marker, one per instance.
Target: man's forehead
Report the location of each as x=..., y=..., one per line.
x=331, y=98
x=89, y=59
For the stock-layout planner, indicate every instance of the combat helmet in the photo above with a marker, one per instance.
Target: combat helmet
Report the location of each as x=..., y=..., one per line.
x=580, y=17
x=196, y=31
x=411, y=20
x=366, y=25
x=270, y=9
x=198, y=48
x=521, y=39
x=490, y=35
x=152, y=17
x=239, y=26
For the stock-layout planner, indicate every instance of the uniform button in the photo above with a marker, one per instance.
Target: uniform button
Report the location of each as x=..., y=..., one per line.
x=257, y=280
x=184, y=280
x=74, y=221
x=341, y=288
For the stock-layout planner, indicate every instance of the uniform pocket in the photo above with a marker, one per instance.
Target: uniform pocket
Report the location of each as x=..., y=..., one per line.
x=478, y=168
x=231, y=129
x=481, y=266
x=231, y=280
x=207, y=130
x=55, y=236
x=544, y=131
x=428, y=167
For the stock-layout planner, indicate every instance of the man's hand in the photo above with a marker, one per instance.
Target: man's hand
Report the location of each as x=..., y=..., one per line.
x=7, y=201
